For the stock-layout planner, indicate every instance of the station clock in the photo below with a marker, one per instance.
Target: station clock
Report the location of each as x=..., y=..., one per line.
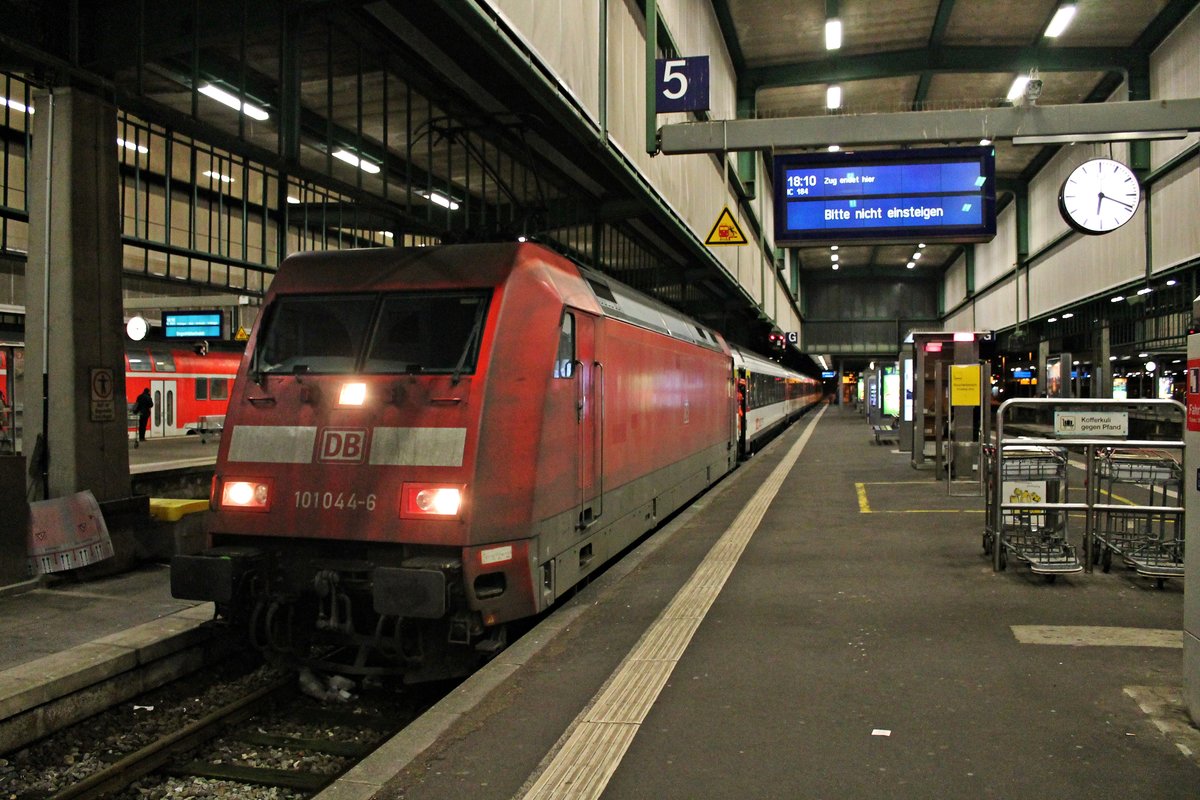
x=1099, y=196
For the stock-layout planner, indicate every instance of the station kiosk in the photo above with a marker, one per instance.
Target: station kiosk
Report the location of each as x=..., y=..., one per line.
x=933, y=421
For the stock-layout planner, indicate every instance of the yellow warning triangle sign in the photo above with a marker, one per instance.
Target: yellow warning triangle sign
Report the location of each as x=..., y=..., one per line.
x=726, y=230
x=241, y=334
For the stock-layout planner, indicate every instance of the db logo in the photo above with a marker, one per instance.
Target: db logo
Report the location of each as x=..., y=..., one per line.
x=342, y=445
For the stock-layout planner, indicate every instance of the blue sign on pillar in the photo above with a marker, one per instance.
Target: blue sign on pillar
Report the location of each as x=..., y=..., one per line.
x=681, y=84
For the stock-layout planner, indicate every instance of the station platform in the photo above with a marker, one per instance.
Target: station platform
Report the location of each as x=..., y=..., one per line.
x=854, y=643
x=172, y=452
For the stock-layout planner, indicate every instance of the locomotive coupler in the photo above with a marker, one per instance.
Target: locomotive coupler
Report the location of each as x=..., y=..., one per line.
x=334, y=605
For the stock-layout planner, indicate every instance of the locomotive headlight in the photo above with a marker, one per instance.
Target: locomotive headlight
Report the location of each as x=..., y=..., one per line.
x=429, y=500
x=352, y=394
x=246, y=495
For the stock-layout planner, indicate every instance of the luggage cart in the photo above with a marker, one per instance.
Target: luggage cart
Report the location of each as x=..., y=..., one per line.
x=1037, y=536
x=1148, y=538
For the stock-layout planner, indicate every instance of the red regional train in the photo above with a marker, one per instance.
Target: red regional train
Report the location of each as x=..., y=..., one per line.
x=184, y=384
x=423, y=446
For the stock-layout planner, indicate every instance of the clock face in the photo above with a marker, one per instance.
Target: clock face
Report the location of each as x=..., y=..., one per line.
x=1099, y=196
x=136, y=328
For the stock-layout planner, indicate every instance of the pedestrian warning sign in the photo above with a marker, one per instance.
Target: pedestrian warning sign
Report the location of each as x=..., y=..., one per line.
x=726, y=231
x=241, y=334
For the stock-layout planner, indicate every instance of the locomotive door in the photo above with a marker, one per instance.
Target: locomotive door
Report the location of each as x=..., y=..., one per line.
x=164, y=419
x=589, y=409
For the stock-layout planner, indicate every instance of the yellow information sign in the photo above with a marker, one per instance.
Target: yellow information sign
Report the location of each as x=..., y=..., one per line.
x=241, y=334
x=726, y=230
x=964, y=385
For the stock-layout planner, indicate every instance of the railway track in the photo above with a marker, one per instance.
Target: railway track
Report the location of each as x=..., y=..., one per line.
x=268, y=740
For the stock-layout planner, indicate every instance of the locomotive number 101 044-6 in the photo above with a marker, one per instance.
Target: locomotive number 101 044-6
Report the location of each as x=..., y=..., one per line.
x=334, y=500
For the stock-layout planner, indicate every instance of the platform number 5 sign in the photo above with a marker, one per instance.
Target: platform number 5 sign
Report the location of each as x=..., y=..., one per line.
x=681, y=84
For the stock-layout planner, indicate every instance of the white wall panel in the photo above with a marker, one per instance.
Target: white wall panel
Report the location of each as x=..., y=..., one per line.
x=1175, y=73
x=998, y=308
x=1089, y=265
x=565, y=34
x=955, y=289
x=999, y=256
x=1174, y=200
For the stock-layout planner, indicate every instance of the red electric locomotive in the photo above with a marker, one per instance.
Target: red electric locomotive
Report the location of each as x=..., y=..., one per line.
x=424, y=445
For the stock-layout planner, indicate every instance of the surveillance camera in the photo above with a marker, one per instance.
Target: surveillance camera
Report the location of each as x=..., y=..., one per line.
x=1033, y=89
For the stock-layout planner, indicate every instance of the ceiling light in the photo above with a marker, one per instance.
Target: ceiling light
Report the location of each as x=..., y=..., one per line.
x=355, y=161
x=225, y=98
x=1145, y=290
x=439, y=199
x=912, y=264
x=833, y=97
x=1067, y=315
x=388, y=235
x=1018, y=87
x=835, y=247
x=1060, y=21
x=833, y=34
x=1172, y=282
x=131, y=146
x=1143, y=355
x=921, y=246
x=1112, y=358
x=16, y=105
x=833, y=257
x=835, y=266
x=293, y=200
x=833, y=148
x=917, y=256
x=1117, y=299
x=985, y=142
x=216, y=176
x=1052, y=319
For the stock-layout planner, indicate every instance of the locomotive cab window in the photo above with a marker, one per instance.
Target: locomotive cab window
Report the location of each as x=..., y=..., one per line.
x=428, y=332
x=314, y=334
x=564, y=361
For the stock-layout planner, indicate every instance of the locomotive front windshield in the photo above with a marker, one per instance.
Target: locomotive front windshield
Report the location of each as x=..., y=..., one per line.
x=410, y=332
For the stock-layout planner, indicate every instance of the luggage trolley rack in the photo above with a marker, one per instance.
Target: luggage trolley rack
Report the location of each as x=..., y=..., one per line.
x=1148, y=538
x=1029, y=475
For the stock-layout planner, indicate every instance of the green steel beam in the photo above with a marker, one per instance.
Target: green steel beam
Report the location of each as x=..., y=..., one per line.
x=651, y=57
x=932, y=126
x=938, y=60
x=940, y=22
x=729, y=34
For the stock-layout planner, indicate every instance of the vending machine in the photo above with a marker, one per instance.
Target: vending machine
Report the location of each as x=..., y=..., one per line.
x=1191, y=483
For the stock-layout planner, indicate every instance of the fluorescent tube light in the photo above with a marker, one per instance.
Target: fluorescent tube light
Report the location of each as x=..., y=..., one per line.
x=833, y=148
x=833, y=97
x=1116, y=299
x=355, y=161
x=1062, y=18
x=216, y=176
x=16, y=105
x=225, y=98
x=912, y=265
x=439, y=199
x=833, y=34
x=131, y=146
x=1017, y=89
x=293, y=200
x=1145, y=290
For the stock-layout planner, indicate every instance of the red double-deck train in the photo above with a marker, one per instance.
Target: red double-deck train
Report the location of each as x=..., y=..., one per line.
x=424, y=445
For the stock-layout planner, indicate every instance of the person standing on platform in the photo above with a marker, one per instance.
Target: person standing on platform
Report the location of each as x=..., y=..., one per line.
x=142, y=406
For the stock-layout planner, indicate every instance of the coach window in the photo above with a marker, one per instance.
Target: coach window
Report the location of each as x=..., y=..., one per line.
x=564, y=361
x=202, y=388
x=139, y=361
x=219, y=389
x=163, y=362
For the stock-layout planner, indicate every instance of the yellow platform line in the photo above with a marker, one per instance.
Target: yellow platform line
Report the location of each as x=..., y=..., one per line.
x=863, y=506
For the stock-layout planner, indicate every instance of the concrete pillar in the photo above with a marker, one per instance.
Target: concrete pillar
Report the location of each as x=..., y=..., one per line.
x=74, y=324
x=1104, y=367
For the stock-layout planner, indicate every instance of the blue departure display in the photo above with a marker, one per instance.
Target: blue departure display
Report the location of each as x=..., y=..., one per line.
x=192, y=325
x=946, y=193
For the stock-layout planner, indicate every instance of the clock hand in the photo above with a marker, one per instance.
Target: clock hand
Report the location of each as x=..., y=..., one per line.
x=1114, y=200
x=1099, y=200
